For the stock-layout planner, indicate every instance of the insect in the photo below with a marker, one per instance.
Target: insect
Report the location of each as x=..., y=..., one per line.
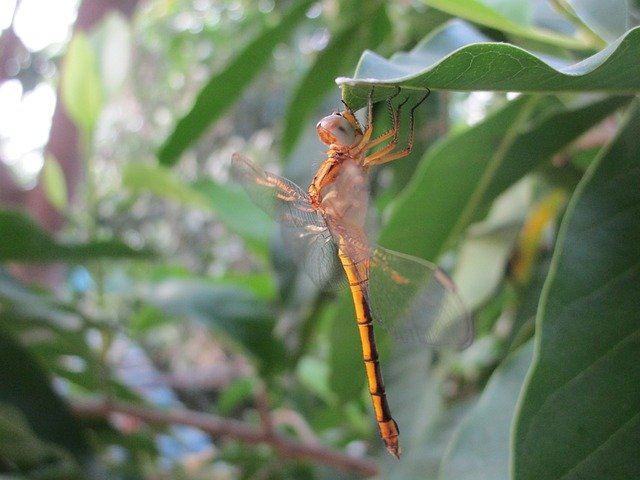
x=325, y=228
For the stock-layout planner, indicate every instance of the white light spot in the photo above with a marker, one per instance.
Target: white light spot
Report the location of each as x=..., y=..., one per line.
x=25, y=121
x=6, y=13
x=41, y=23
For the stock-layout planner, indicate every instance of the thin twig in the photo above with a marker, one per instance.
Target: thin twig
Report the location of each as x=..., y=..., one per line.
x=262, y=405
x=224, y=427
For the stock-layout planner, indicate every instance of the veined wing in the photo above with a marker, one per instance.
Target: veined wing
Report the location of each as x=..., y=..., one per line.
x=304, y=230
x=417, y=301
x=412, y=298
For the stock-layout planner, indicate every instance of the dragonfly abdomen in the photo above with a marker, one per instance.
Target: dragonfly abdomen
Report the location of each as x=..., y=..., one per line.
x=357, y=276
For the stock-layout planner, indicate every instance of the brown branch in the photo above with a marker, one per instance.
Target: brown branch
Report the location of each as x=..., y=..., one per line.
x=262, y=405
x=223, y=427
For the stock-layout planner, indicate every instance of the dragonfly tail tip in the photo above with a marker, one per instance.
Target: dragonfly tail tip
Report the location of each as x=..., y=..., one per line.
x=394, y=449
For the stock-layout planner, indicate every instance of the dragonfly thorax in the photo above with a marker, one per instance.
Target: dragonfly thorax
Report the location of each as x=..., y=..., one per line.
x=339, y=129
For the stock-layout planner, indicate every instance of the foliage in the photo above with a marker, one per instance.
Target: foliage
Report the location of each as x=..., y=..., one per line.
x=178, y=292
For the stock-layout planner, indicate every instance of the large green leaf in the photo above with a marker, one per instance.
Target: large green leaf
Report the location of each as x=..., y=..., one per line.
x=458, y=57
x=579, y=415
x=24, y=241
x=480, y=448
x=225, y=87
x=464, y=173
x=25, y=386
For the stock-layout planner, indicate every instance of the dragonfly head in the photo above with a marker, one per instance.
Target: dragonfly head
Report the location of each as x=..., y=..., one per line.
x=339, y=129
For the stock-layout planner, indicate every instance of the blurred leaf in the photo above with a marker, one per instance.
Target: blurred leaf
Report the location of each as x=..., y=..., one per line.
x=239, y=391
x=115, y=38
x=579, y=415
x=480, y=447
x=337, y=57
x=54, y=183
x=145, y=319
x=80, y=83
x=487, y=247
x=346, y=370
x=25, y=386
x=543, y=214
x=421, y=459
x=24, y=241
x=20, y=447
x=161, y=182
x=507, y=16
x=234, y=208
x=313, y=373
x=440, y=201
x=224, y=88
x=458, y=57
x=608, y=19
x=228, y=309
x=231, y=205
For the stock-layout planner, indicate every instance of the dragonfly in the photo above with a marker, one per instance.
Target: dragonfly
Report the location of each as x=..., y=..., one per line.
x=326, y=230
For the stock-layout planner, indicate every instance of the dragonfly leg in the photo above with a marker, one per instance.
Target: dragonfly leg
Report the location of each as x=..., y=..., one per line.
x=384, y=155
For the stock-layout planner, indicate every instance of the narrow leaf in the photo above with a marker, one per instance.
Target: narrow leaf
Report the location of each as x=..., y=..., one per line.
x=335, y=59
x=82, y=91
x=480, y=448
x=25, y=386
x=487, y=15
x=24, y=241
x=225, y=87
x=54, y=183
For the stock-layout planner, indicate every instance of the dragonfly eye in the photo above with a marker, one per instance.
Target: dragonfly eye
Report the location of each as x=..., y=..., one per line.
x=335, y=129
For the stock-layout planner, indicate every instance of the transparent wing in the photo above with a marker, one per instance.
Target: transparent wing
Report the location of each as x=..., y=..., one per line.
x=416, y=301
x=346, y=203
x=304, y=230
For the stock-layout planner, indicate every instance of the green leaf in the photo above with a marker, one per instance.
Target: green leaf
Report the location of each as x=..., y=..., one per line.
x=234, y=208
x=458, y=57
x=465, y=172
x=513, y=21
x=81, y=87
x=161, y=182
x=335, y=59
x=480, y=447
x=54, y=183
x=313, y=374
x=608, y=19
x=23, y=449
x=225, y=87
x=579, y=415
x=231, y=205
x=331, y=61
x=24, y=241
x=25, y=386
x=421, y=457
x=487, y=248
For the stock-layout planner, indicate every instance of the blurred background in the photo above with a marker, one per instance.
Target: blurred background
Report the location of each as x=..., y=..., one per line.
x=153, y=324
